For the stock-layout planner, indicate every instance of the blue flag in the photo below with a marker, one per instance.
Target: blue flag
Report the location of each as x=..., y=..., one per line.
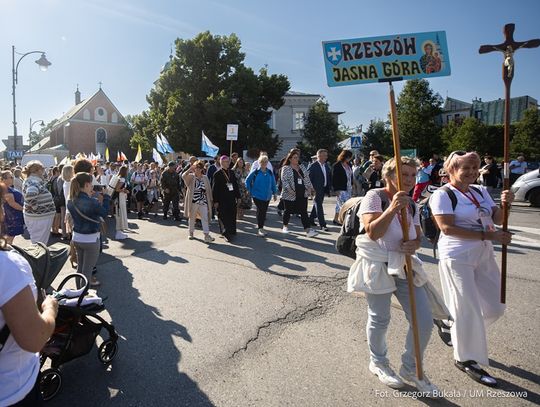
x=208, y=147
x=160, y=146
x=166, y=144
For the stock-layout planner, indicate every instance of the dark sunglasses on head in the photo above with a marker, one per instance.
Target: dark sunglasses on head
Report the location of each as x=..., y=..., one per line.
x=458, y=152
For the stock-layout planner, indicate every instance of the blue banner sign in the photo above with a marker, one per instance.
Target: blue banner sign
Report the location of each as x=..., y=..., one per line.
x=388, y=58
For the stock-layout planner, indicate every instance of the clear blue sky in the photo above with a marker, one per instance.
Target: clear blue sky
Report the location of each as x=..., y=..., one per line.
x=124, y=44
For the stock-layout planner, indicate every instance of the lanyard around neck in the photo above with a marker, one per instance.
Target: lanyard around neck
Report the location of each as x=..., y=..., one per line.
x=471, y=198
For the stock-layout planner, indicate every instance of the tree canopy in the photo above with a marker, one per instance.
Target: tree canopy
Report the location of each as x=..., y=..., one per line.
x=206, y=86
x=321, y=130
x=378, y=137
x=418, y=108
x=527, y=135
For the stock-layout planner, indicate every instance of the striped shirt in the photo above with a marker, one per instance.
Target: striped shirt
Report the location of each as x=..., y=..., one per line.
x=38, y=201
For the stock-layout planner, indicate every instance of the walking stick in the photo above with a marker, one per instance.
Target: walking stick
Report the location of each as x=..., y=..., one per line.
x=508, y=47
x=405, y=229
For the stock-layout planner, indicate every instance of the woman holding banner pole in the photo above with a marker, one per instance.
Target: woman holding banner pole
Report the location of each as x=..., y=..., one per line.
x=379, y=273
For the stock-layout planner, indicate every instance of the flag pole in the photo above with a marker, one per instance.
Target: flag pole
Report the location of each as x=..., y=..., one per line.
x=405, y=230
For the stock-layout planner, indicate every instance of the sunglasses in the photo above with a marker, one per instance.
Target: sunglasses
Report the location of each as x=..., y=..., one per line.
x=458, y=153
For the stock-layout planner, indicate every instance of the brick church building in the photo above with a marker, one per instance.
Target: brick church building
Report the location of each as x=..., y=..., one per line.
x=86, y=127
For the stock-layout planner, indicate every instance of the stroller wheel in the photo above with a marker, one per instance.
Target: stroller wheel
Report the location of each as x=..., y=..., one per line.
x=50, y=383
x=107, y=351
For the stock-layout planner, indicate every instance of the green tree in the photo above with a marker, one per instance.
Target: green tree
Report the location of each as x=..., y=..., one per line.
x=527, y=135
x=418, y=108
x=378, y=137
x=473, y=135
x=205, y=87
x=321, y=130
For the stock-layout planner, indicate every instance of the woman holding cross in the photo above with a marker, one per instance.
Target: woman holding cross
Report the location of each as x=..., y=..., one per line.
x=470, y=277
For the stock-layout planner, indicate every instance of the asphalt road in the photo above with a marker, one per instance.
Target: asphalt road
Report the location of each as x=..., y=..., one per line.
x=267, y=322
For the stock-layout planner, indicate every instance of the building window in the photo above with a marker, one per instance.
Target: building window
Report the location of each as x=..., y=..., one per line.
x=101, y=136
x=448, y=118
x=299, y=118
x=114, y=117
x=100, y=114
x=478, y=114
x=456, y=116
x=86, y=114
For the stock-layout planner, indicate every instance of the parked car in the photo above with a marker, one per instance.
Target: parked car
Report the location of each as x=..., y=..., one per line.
x=527, y=188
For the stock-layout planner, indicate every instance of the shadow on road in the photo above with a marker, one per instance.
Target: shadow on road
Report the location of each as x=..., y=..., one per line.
x=146, y=371
x=519, y=372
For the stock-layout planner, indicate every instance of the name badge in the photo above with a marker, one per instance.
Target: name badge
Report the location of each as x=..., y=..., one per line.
x=230, y=186
x=378, y=184
x=299, y=181
x=486, y=220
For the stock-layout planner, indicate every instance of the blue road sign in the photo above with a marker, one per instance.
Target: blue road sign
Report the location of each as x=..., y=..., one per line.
x=391, y=57
x=356, y=142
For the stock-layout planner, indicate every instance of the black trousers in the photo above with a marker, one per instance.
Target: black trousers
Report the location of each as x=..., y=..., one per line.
x=175, y=198
x=317, y=211
x=227, y=218
x=262, y=208
x=300, y=207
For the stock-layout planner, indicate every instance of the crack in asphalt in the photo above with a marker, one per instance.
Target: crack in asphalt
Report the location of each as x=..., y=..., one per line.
x=331, y=294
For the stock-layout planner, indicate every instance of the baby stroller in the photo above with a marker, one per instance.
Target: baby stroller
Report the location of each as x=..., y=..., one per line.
x=77, y=322
x=77, y=326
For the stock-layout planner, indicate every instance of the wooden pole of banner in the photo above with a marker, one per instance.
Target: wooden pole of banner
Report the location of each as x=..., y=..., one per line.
x=405, y=229
x=230, y=153
x=508, y=47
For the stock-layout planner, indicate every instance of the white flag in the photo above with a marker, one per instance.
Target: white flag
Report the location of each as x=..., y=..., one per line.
x=157, y=158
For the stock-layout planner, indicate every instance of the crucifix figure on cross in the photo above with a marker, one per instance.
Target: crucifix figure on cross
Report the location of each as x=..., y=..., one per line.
x=508, y=47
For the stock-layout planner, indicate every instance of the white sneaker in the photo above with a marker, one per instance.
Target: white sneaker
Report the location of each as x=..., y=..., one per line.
x=285, y=229
x=261, y=233
x=425, y=387
x=386, y=375
x=120, y=235
x=190, y=237
x=208, y=239
x=311, y=233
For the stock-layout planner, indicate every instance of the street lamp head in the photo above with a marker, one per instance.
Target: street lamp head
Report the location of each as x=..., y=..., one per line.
x=43, y=62
x=42, y=123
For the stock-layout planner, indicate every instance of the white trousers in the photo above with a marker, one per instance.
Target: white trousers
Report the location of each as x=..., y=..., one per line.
x=121, y=212
x=471, y=288
x=202, y=210
x=39, y=228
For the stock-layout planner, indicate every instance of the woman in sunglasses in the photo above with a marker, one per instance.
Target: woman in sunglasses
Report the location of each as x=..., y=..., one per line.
x=470, y=277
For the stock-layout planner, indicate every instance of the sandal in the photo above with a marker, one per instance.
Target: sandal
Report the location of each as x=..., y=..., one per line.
x=444, y=331
x=476, y=373
x=94, y=282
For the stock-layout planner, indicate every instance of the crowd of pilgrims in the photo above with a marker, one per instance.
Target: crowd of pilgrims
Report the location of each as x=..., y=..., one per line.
x=71, y=202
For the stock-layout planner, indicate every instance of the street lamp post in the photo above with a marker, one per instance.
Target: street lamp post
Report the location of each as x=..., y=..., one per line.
x=32, y=125
x=43, y=65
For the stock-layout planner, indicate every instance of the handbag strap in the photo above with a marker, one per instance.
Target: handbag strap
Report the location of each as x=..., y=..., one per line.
x=82, y=215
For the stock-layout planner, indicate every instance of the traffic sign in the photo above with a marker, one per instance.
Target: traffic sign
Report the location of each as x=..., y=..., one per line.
x=356, y=142
x=12, y=154
x=232, y=132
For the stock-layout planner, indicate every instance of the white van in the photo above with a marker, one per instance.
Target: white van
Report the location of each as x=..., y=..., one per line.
x=46, y=159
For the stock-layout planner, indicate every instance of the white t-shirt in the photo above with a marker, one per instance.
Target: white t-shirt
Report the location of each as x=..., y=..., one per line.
x=520, y=167
x=465, y=216
x=18, y=368
x=393, y=237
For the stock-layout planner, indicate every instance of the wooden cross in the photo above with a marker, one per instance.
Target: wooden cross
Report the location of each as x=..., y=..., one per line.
x=508, y=47
x=100, y=83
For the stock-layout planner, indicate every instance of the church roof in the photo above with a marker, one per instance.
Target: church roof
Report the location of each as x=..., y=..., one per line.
x=294, y=93
x=77, y=108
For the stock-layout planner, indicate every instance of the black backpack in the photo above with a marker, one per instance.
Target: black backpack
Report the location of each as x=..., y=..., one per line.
x=346, y=241
x=427, y=221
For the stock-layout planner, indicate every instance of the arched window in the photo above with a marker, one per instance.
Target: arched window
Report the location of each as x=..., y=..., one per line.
x=114, y=117
x=101, y=136
x=86, y=114
x=100, y=114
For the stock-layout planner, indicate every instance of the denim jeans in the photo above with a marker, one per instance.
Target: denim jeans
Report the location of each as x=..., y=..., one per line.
x=379, y=317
